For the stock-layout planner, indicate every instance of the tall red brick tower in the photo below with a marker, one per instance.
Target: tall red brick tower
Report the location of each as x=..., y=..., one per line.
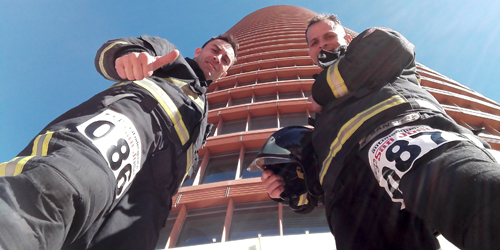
x=468, y=107
x=267, y=89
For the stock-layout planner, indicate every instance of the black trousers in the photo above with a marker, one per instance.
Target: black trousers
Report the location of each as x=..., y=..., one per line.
x=362, y=216
x=455, y=190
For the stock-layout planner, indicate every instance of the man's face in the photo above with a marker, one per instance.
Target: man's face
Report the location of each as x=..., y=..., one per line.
x=215, y=59
x=325, y=35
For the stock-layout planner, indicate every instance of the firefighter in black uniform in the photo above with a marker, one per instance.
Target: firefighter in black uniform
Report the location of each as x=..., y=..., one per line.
x=375, y=117
x=101, y=176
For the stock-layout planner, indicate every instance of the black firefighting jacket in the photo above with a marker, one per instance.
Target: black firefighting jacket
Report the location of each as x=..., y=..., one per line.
x=177, y=92
x=374, y=83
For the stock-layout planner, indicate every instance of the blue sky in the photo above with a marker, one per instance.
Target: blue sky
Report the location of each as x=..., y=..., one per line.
x=47, y=47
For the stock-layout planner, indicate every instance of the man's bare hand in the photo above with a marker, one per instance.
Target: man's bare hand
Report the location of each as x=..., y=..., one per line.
x=274, y=184
x=136, y=66
x=315, y=106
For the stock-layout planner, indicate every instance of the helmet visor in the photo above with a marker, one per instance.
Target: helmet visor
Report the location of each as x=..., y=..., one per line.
x=260, y=163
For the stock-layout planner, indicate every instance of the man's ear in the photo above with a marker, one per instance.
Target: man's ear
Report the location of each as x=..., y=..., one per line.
x=197, y=52
x=348, y=38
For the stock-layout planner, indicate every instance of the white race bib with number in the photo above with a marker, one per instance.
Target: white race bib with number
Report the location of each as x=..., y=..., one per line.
x=119, y=143
x=393, y=155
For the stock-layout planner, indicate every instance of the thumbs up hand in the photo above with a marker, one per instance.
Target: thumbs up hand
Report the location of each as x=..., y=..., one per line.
x=136, y=66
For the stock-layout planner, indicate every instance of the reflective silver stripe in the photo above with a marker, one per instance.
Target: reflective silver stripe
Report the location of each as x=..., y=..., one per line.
x=348, y=129
x=168, y=106
x=335, y=81
x=411, y=117
x=13, y=167
x=189, y=160
x=41, y=144
x=101, y=60
x=16, y=165
x=8, y=168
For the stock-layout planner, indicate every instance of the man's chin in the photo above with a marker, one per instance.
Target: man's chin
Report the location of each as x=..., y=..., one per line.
x=315, y=62
x=208, y=76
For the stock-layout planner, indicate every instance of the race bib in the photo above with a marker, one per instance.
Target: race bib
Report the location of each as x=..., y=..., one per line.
x=118, y=141
x=392, y=156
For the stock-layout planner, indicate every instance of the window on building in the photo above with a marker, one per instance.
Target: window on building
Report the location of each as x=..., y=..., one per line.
x=263, y=98
x=247, y=159
x=253, y=219
x=226, y=87
x=314, y=222
x=217, y=105
x=165, y=232
x=266, y=80
x=190, y=179
x=263, y=122
x=212, y=129
x=221, y=167
x=475, y=129
x=245, y=83
x=306, y=77
x=290, y=95
x=202, y=226
x=283, y=78
x=239, y=101
x=293, y=119
x=490, y=131
x=233, y=126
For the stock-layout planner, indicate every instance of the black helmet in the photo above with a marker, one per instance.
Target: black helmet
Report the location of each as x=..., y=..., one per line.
x=289, y=153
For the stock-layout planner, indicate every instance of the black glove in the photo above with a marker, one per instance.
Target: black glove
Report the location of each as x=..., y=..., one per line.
x=296, y=193
x=327, y=58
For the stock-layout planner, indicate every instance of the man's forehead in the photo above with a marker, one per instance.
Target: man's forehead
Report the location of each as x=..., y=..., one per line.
x=224, y=46
x=322, y=27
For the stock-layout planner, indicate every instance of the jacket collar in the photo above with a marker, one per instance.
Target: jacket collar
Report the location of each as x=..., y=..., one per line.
x=186, y=69
x=203, y=84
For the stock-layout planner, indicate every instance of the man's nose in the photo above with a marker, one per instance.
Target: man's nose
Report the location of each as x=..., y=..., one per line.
x=217, y=58
x=322, y=46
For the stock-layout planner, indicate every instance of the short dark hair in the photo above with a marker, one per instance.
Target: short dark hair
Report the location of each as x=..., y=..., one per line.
x=322, y=17
x=229, y=39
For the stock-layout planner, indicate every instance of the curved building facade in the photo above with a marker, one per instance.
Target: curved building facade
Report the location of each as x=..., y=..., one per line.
x=267, y=89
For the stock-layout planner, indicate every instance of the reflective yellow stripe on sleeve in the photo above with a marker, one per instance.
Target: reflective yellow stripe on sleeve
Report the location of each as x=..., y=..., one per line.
x=41, y=144
x=101, y=60
x=335, y=81
x=168, y=106
x=16, y=165
x=352, y=125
